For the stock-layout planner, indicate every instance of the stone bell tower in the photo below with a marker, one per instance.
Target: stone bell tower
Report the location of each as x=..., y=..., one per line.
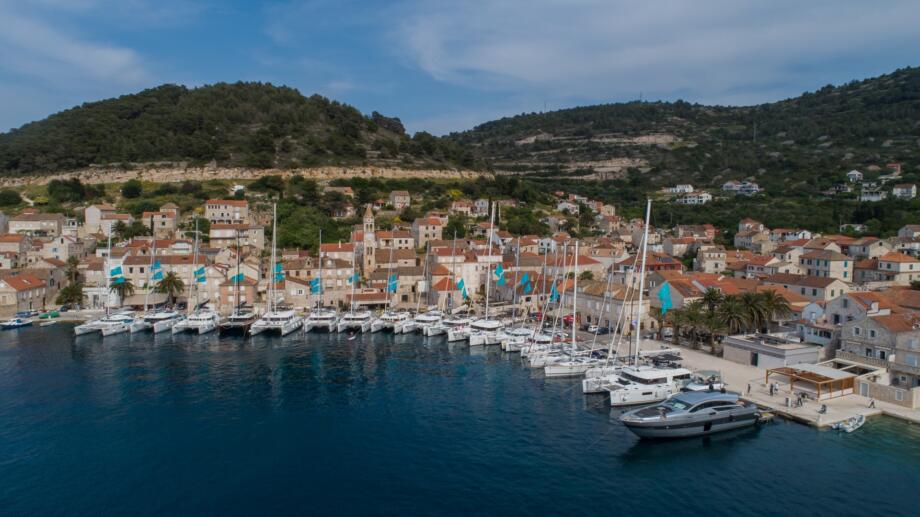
x=370, y=242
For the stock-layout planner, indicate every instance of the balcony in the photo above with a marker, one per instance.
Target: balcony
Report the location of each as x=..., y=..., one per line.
x=857, y=358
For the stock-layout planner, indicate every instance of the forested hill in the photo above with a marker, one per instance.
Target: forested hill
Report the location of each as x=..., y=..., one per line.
x=242, y=124
x=804, y=144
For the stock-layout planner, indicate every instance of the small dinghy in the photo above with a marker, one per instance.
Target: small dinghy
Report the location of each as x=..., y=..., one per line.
x=851, y=424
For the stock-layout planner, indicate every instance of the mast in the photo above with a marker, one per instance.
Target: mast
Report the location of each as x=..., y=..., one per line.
x=489, y=264
x=517, y=267
x=390, y=275
x=418, y=302
x=648, y=215
x=453, y=268
x=353, y=281
x=575, y=298
x=194, y=266
x=153, y=256
x=271, y=278
x=191, y=271
x=108, y=274
x=236, y=279
x=319, y=255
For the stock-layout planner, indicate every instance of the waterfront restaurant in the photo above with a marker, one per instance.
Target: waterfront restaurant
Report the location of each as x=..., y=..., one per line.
x=819, y=382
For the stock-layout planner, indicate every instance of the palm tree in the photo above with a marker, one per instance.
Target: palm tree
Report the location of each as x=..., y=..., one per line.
x=123, y=289
x=171, y=285
x=776, y=308
x=733, y=314
x=73, y=269
x=712, y=298
x=72, y=294
x=677, y=318
x=754, y=307
x=715, y=325
x=695, y=317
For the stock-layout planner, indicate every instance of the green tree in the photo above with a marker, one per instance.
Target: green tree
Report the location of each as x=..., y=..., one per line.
x=712, y=298
x=456, y=224
x=72, y=269
x=776, y=307
x=755, y=309
x=734, y=314
x=677, y=318
x=123, y=289
x=71, y=294
x=172, y=286
x=9, y=197
x=132, y=189
x=586, y=275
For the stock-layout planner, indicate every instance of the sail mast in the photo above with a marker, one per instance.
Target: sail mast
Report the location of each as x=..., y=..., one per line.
x=575, y=298
x=489, y=263
x=319, y=255
x=153, y=257
x=648, y=215
x=271, y=273
x=194, y=266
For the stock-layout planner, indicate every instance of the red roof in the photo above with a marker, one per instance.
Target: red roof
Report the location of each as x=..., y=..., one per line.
x=24, y=282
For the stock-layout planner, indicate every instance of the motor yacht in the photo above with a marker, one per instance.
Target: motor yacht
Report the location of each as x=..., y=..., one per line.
x=439, y=329
x=321, y=318
x=646, y=384
x=200, y=322
x=689, y=414
x=358, y=321
x=15, y=323
x=282, y=322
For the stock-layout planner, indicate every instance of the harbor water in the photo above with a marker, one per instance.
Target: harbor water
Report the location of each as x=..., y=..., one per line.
x=386, y=425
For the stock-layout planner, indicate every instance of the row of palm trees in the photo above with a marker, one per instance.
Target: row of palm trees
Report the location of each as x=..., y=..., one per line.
x=72, y=294
x=716, y=314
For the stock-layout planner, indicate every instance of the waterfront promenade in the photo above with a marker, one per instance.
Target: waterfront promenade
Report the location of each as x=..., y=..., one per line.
x=738, y=376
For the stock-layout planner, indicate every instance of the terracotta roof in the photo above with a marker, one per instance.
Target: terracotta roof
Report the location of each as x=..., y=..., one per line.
x=23, y=281
x=825, y=255
x=245, y=282
x=12, y=237
x=894, y=256
x=903, y=322
x=803, y=280
x=345, y=247
x=228, y=202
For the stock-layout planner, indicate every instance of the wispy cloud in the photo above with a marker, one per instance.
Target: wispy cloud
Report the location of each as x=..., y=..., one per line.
x=603, y=49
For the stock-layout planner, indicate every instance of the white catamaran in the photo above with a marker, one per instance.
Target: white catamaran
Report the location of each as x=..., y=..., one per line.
x=354, y=320
x=199, y=320
x=320, y=317
x=281, y=321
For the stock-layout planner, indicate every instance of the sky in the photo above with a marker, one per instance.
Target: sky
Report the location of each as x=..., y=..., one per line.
x=444, y=66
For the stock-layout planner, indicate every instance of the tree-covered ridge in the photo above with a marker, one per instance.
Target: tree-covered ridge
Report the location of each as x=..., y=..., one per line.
x=242, y=124
x=803, y=144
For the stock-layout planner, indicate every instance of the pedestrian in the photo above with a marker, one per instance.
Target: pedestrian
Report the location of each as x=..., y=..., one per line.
x=871, y=403
x=749, y=388
x=771, y=389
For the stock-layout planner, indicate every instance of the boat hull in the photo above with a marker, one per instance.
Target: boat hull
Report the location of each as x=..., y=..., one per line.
x=678, y=428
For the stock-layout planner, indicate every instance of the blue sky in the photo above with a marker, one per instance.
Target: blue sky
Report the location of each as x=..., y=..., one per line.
x=444, y=66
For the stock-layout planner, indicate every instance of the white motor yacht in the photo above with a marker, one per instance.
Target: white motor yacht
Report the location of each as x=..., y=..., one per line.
x=282, y=322
x=359, y=321
x=107, y=325
x=199, y=322
x=321, y=318
x=388, y=320
x=517, y=339
x=646, y=384
x=571, y=367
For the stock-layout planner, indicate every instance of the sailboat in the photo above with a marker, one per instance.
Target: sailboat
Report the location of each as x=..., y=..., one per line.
x=110, y=323
x=281, y=321
x=320, y=317
x=199, y=320
x=354, y=319
x=241, y=319
x=424, y=319
x=488, y=331
x=390, y=318
x=156, y=320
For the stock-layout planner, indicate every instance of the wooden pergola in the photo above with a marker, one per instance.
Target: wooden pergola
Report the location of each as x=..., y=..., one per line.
x=820, y=382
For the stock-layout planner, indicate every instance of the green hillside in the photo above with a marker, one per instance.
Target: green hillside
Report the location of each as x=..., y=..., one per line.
x=798, y=146
x=242, y=124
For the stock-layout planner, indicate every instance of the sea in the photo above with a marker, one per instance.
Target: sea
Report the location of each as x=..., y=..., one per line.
x=387, y=425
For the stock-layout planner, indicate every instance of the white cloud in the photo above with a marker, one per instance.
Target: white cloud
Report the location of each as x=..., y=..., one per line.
x=604, y=49
x=32, y=46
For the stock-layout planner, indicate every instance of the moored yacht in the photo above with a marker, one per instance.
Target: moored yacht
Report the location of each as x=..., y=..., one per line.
x=199, y=322
x=646, y=384
x=487, y=332
x=388, y=320
x=321, y=318
x=689, y=414
x=107, y=325
x=239, y=322
x=15, y=323
x=572, y=367
x=359, y=321
x=445, y=325
x=281, y=321
x=159, y=321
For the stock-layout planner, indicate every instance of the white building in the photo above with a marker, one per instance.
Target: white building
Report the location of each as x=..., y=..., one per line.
x=904, y=191
x=695, y=198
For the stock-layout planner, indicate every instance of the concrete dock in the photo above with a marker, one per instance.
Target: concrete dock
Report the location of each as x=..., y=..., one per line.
x=738, y=377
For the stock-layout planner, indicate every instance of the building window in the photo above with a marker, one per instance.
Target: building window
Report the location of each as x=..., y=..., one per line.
x=872, y=333
x=899, y=395
x=856, y=331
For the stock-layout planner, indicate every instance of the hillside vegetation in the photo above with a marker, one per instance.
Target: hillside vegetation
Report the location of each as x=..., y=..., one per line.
x=799, y=146
x=239, y=125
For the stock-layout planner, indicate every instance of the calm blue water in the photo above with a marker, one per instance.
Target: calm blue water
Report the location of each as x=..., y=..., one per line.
x=385, y=425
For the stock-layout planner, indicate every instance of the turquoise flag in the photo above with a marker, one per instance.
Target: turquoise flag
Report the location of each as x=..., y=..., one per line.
x=156, y=265
x=664, y=294
x=116, y=271
x=158, y=275
x=528, y=288
x=392, y=284
x=354, y=278
x=460, y=285
x=553, y=293
x=278, y=268
x=525, y=279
